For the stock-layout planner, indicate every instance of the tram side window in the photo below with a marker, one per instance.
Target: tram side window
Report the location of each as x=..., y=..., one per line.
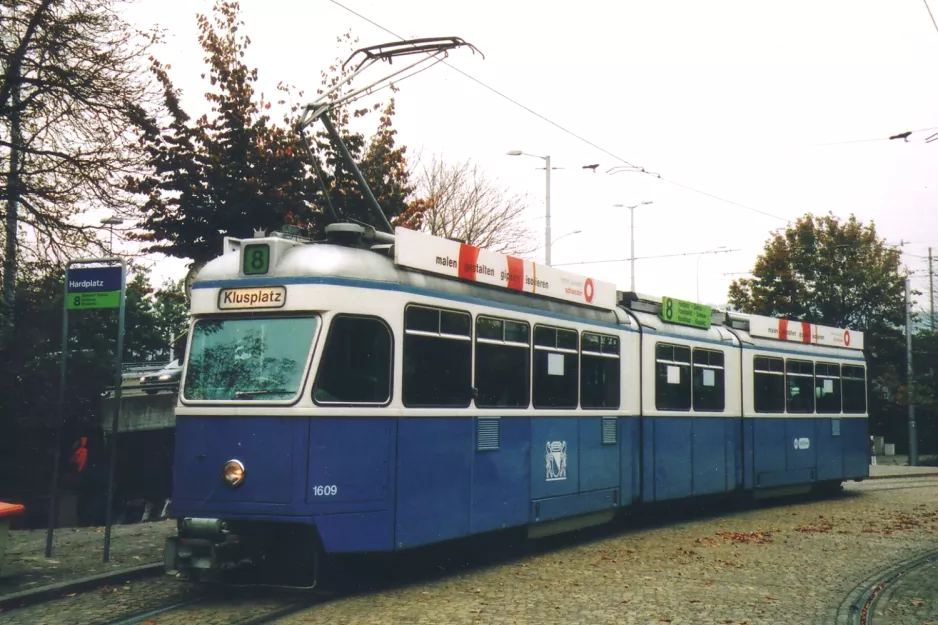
x=768, y=384
x=356, y=363
x=854, y=385
x=503, y=363
x=708, y=378
x=827, y=387
x=599, y=371
x=799, y=382
x=672, y=377
x=437, y=358
x=556, y=368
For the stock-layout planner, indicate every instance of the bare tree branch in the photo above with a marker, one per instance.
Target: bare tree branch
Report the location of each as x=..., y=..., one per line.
x=462, y=204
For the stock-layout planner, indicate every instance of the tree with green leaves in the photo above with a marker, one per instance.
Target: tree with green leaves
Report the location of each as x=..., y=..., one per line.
x=171, y=311
x=925, y=387
x=841, y=274
x=29, y=370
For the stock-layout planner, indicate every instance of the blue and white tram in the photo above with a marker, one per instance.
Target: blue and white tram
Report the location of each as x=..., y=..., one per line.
x=355, y=396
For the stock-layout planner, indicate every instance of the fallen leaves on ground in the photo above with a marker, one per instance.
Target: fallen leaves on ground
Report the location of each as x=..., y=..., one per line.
x=809, y=528
x=758, y=537
x=707, y=541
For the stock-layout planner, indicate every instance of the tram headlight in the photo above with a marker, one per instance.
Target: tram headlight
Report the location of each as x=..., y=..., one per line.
x=233, y=473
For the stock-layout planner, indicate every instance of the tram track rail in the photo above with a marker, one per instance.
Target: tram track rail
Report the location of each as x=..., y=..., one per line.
x=859, y=607
x=258, y=610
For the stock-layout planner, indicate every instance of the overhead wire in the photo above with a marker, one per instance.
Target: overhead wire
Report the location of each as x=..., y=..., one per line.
x=562, y=128
x=819, y=145
x=625, y=260
x=930, y=14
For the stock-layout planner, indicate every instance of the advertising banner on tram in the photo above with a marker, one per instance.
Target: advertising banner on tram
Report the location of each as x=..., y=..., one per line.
x=467, y=262
x=804, y=332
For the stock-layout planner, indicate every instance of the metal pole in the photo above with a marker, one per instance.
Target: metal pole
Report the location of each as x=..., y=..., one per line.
x=547, y=206
x=699, y=256
x=53, y=500
x=117, y=408
x=8, y=302
x=913, y=436
x=379, y=216
x=632, y=245
x=931, y=290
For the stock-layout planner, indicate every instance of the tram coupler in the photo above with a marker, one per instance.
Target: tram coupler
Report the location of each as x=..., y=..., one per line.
x=202, y=545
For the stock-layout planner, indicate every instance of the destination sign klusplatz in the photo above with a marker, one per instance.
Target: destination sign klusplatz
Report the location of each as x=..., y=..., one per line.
x=253, y=297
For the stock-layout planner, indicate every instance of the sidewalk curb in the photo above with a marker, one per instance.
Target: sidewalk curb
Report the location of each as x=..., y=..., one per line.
x=901, y=476
x=57, y=591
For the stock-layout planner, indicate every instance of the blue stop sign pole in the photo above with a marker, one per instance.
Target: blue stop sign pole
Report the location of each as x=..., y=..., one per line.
x=101, y=286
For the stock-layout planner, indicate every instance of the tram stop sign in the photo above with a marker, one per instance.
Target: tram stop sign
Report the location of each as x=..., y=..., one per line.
x=93, y=287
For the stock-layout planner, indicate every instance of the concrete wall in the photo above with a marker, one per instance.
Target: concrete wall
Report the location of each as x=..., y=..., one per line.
x=140, y=411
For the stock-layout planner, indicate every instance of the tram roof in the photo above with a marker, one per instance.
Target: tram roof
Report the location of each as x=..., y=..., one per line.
x=317, y=261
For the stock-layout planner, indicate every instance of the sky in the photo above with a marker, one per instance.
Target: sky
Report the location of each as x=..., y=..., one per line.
x=752, y=113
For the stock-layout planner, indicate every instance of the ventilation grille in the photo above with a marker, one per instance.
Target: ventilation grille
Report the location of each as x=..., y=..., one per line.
x=610, y=430
x=488, y=433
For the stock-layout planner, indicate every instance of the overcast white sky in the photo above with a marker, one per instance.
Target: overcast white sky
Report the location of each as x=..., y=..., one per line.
x=784, y=107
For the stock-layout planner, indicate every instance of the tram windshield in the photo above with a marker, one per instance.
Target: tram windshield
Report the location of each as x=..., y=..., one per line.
x=254, y=359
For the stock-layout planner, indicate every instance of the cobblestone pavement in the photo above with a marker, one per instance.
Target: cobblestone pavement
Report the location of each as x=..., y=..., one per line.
x=912, y=599
x=791, y=563
x=79, y=552
x=780, y=564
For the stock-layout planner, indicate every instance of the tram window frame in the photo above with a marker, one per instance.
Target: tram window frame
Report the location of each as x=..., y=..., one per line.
x=326, y=367
x=604, y=362
x=430, y=368
x=492, y=347
x=799, y=374
x=710, y=360
x=768, y=384
x=853, y=383
x=827, y=402
x=552, y=391
x=670, y=396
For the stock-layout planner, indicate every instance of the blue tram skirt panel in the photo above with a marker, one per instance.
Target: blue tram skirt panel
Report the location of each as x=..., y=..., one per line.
x=382, y=484
x=792, y=451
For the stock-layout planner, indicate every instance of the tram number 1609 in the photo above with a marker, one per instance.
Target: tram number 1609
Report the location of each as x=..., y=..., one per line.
x=325, y=491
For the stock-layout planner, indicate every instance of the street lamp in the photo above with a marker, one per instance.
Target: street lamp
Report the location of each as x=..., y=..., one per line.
x=547, y=241
x=701, y=255
x=632, y=234
x=563, y=236
x=112, y=221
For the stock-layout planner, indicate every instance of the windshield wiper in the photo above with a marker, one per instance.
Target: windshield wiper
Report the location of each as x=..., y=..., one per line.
x=274, y=391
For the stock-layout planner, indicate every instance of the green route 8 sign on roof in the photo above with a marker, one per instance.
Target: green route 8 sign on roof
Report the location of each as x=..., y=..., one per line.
x=685, y=313
x=255, y=259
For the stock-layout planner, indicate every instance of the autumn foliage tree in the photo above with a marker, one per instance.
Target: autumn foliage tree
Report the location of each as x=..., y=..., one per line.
x=238, y=170
x=840, y=274
x=225, y=174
